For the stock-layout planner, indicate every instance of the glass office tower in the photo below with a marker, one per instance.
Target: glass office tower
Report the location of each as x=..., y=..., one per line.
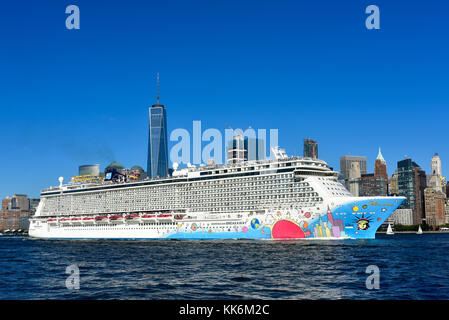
x=310, y=149
x=157, y=165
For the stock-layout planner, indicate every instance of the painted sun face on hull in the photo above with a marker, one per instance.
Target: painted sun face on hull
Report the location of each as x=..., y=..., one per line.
x=287, y=229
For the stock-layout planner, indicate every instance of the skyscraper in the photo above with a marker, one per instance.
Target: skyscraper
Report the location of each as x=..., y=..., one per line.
x=310, y=148
x=353, y=180
x=411, y=184
x=345, y=166
x=255, y=148
x=436, y=165
x=435, y=201
x=435, y=178
x=393, y=184
x=375, y=184
x=236, y=151
x=380, y=167
x=242, y=148
x=434, y=196
x=157, y=165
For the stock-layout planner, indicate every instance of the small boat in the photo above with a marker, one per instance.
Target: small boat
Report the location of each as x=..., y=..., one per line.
x=389, y=229
x=132, y=218
x=419, y=230
x=164, y=217
x=88, y=219
x=76, y=220
x=116, y=218
x=148, y=217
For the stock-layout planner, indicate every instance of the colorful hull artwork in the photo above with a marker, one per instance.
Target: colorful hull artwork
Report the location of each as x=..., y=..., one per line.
x=357, y=218
x=354, y=220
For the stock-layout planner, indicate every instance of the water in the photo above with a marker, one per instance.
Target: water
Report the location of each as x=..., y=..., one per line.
x=411, y=267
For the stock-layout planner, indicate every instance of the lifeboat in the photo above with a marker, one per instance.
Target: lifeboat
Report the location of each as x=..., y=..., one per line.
x=64, y=220
x=116, y=218
x=100, y=218
x=75, y=220
x=88, y=219
x=148, y=217
x=178, y=216
x=52, y=221
x=164, y=217
x=132, y=218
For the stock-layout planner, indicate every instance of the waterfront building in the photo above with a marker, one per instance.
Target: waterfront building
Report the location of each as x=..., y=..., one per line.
x=6, y=203
x=310, y=149
x=436, y=165
x=435, y=201
x=242, y=148
x=434, y=196
x=254, y=148
x=157, y=163
x=380, y=167
x=411, y=184
x=375, y=184
x=393, y=184
x=435, y=179
x=446, y=211
x=402, y=216
x=16, y=202
x=15, y=213
x=354, y=179
x=345, y=166
x=372, y=185
x=236, y=152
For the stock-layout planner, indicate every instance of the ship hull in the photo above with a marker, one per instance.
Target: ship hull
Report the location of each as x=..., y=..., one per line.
x=357, y=218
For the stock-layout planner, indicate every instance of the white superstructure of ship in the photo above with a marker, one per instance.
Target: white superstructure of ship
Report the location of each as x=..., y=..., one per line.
x=280, y=198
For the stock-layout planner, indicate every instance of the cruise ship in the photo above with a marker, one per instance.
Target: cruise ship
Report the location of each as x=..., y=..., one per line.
x=283, y=198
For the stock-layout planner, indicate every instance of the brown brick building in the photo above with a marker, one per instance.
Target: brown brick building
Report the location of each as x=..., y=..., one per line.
x=380, y=167
x=15, y=213
x=434, y=207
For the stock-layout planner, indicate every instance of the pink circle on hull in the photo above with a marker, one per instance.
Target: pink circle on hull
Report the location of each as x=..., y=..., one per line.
x=287, y=230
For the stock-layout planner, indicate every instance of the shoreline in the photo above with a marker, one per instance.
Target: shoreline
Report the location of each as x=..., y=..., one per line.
x=396, y=232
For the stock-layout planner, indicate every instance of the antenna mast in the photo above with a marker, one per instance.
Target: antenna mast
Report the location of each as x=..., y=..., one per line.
x=158, y=88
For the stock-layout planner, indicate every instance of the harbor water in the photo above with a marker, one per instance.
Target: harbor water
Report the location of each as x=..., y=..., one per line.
x=410, y=267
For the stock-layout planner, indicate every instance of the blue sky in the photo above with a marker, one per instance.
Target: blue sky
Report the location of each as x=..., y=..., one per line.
x=307, y=68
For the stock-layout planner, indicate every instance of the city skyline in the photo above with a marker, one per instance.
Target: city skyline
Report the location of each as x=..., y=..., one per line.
x=79, y=97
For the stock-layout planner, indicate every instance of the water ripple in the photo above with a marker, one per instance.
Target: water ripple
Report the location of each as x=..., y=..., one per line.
x=412, y=267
